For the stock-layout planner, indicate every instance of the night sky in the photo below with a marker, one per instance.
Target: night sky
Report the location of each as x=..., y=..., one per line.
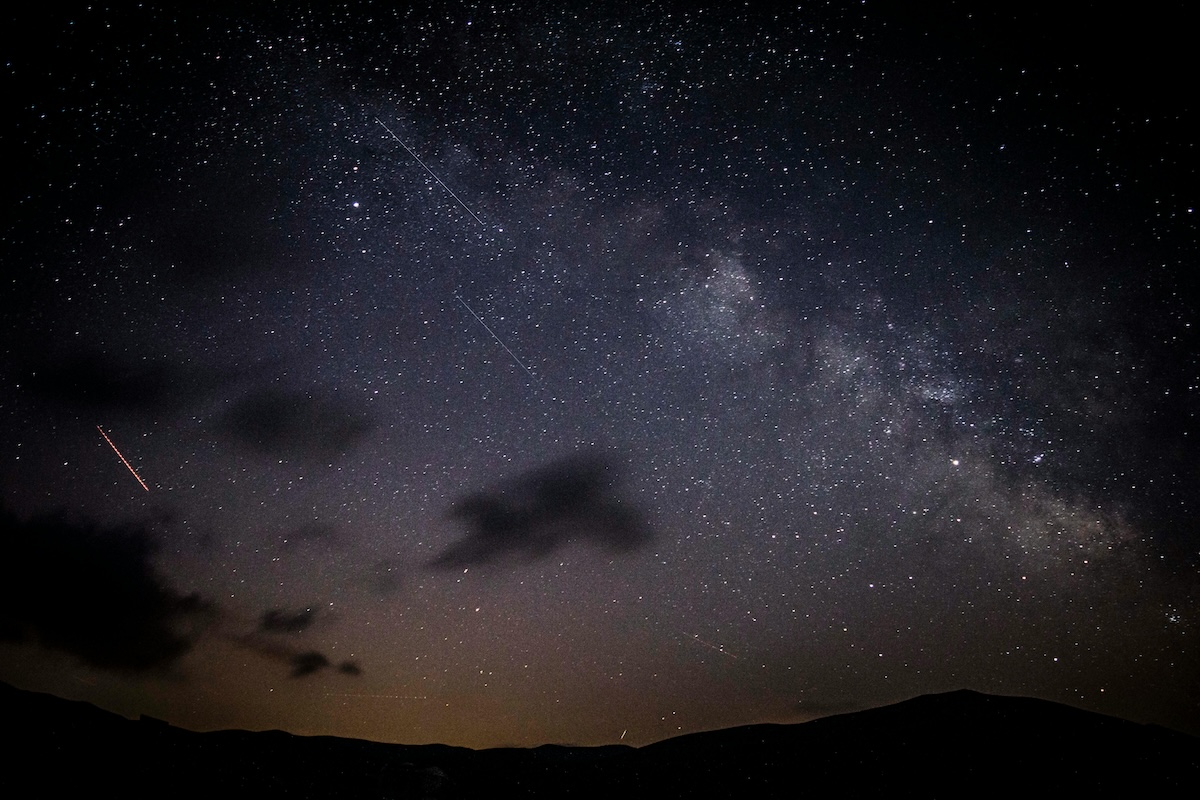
x=512, y=374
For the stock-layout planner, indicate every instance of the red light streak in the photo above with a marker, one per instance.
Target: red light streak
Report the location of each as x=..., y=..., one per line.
x=128, y=466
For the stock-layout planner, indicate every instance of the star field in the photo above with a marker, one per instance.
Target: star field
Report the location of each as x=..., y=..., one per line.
x=511, y=374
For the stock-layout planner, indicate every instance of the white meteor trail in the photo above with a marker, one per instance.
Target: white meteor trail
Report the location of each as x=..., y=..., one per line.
x=494, y=336
x=431, y=172
x=128, y=466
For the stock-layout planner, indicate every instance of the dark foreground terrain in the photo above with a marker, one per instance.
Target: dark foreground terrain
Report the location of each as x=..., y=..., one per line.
x=960, y=744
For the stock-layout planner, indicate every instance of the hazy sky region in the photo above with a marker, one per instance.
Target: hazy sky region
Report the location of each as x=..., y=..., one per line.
x=559, y=372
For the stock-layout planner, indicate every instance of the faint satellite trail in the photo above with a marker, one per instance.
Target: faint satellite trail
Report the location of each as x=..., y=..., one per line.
x=475, y=217
x=479, y=319
x=431, y=172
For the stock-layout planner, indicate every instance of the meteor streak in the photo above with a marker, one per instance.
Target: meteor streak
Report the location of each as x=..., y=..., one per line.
x=494, y=336
x=431, y=172
x=128, y=466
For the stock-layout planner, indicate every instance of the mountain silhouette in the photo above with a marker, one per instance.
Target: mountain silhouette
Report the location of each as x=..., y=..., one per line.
x=956, y=744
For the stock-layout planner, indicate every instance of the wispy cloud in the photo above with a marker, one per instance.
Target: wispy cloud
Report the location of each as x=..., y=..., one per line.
x=532, y=515
x=277, y=620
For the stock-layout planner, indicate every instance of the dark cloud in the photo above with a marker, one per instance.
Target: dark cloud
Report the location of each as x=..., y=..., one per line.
x=89, y=380
x=279, y=423
x=92, y=593
x=311, y=662
x=308, y=663
x=277, y=620
x=540, y=510
x=301, y=662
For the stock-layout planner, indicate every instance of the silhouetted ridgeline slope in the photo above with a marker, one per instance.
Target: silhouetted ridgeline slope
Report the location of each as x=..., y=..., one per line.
x=950, y=745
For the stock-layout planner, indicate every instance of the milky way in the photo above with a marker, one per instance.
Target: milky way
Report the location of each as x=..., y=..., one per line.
x=519, y=374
